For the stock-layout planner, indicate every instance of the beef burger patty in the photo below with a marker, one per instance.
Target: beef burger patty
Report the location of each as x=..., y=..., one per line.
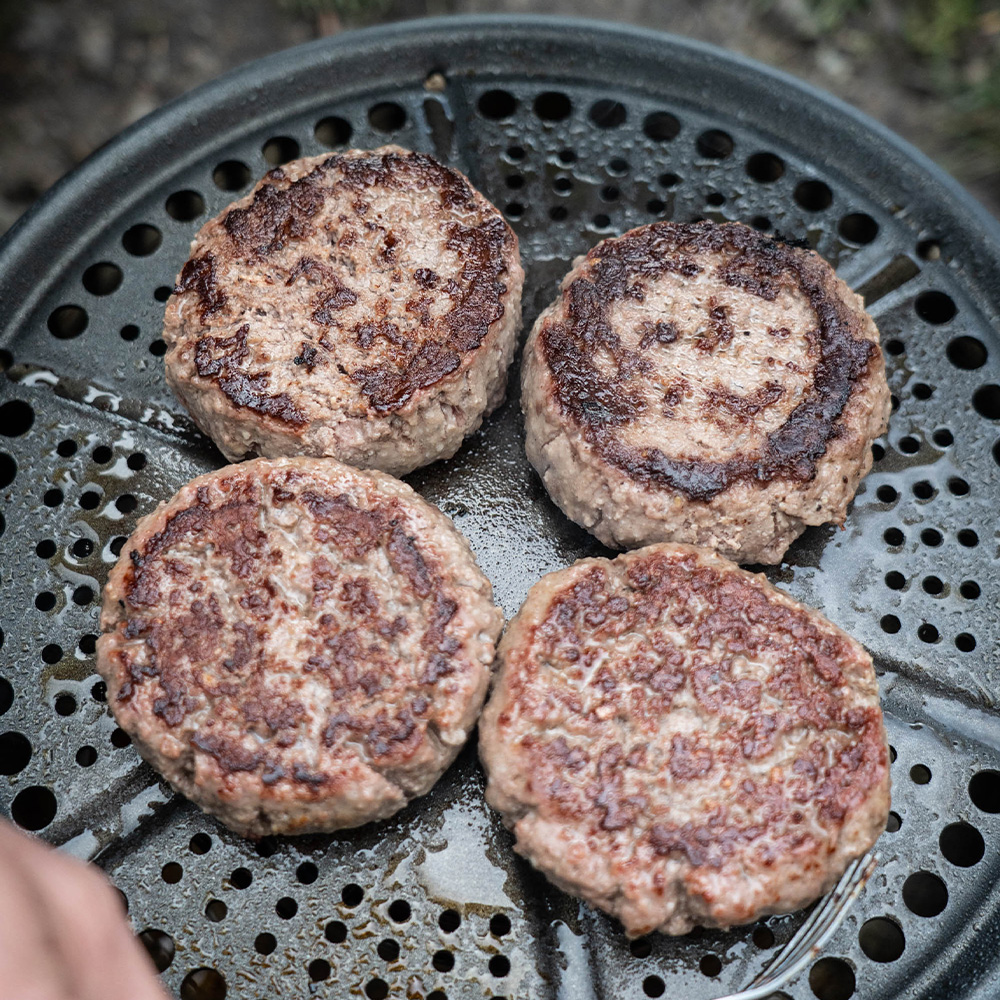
x=680, y=743
x=296, y=645
x=703, y=383
x=363, y=305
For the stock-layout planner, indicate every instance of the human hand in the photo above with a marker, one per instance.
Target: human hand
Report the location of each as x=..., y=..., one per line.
x=63, y=933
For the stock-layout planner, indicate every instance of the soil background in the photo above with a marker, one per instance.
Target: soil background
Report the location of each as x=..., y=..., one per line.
x=74, y=73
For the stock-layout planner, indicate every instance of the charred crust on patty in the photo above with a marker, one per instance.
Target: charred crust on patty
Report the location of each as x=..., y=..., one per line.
x=680, y=743
x=597, y=403
x=363, y=649
x=296, y=259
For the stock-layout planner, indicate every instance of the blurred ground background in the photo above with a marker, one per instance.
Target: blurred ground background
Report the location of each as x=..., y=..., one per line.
x=73, y=73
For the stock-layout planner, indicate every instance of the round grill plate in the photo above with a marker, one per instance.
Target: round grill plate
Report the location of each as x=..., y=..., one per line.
x=576, y=130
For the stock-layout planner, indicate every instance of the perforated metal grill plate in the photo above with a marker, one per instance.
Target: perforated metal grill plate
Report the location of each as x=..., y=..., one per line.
x=577, y=131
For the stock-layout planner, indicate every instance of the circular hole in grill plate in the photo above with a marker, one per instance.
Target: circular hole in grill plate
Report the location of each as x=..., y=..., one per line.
x=858, y=227
x=33, y=808
x=935, y=307
x=714, y=144
x=142, y=240
x=15, y=752
x=241, y=878
x=86, y=756
x=120, y=739
x=307, y=873
x=160, y=947
x=607, y=113
x=67, y=322
x=399, y=911
x=286, y=907
x=449, y=921
x=931, y=537
x=377, y=989
x=710, y=965
x=893, y=823
x=280, y=149
x=984, y=790
x=6, y=695
x=184, y=206
x=965, y=642
x=319, y=970
x=552, y=106
x=16, y=418
x=970, y=590
x=352, y=894
x=8, y=470
x=499, y=966
x=65, y=704
x=813, y=195
x=265, y=943
x=881, y=939
x=335, y=932
x=388, y=950
x=653, y=986
x=203, y=984
x=661, y=126
x=765, y=167
x=986, y=400
x=52, y=653
x=962, y=844
x=103, y=278
x=129, y=332
x=499, y=924
x=200, y=843
x=928, y=633
x=832, y=979
x=497, y=104
x=387, y=116
x=443, y=960
x=967, y=353
x=171, y=873
x=216, y=910
x=920, y=774
x=640, y=948
x=763, y=937
x=231, y=175
x=333, y=131
x=925, y=894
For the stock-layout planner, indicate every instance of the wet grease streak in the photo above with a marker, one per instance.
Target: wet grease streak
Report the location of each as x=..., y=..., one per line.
x=597, y=403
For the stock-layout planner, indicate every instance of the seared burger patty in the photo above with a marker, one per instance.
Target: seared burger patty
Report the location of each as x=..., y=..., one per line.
x=679, y=743
x=705, y=384
x=297, y=646
x=363, y=305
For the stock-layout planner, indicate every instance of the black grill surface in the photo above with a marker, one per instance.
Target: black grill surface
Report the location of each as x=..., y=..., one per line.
x=576, y=130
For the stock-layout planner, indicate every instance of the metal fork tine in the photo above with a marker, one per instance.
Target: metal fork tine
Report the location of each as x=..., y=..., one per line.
x=816, y=930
